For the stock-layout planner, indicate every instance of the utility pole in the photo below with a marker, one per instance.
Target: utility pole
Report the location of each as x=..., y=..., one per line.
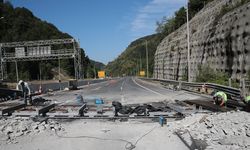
x=147, y=56
x=1, y=57
x=188, y=44
x=94, y=71
x=138, y=68
x=40, y=72
x=59, y=72
x=140, y=63
x=17, y=77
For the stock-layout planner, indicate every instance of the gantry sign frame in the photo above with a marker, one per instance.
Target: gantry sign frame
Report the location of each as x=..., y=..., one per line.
x=69, y=49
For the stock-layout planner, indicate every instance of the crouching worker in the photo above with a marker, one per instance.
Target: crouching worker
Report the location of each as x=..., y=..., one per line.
x=117, y=107
x=24, y=87
x=247, y=102
x=220, y=98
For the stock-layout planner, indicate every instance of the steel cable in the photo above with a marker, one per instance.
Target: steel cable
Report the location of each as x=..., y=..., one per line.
x=129, y=145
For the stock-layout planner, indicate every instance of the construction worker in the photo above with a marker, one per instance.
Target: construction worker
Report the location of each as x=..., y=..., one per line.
x=247, y=102
x=220, y=98
x=24, y=87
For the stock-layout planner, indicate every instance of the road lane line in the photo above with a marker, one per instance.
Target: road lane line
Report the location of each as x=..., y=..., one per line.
x=122, y=85
x=98, y=88
x=157, y=93
x=92, y=84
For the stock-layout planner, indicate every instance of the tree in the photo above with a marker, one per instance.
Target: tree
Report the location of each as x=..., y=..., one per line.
x=19, y=24
x=168, y=25
x=180, y=17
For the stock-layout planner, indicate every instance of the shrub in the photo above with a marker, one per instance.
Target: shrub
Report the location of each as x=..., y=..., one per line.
x=208, y=74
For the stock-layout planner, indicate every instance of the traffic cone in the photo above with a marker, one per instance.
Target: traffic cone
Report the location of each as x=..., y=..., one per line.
x=40, y=89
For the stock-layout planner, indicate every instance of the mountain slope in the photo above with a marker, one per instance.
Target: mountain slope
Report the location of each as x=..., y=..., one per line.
x=133, y=58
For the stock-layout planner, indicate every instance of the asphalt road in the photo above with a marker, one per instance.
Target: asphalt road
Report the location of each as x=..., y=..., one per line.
x=111, y=135
x=127, y=90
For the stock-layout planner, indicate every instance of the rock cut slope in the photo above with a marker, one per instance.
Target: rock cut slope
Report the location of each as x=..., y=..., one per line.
x=219, y=37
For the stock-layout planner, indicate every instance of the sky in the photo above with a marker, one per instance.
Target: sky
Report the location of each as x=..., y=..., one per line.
x=104, y=28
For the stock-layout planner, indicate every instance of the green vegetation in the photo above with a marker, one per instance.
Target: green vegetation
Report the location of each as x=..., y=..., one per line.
x=19, y=24
x=93, y=68
x=129, y=61
x=208, y=74
x=169, y=25
x=133, y=58
x=185, y=74
x=227, y=8
x=248, y=75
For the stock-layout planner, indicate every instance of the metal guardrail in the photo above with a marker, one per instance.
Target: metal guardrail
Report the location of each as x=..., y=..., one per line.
x=182, y=85
x=9, y=93
x=57, y=86
x=247, y=82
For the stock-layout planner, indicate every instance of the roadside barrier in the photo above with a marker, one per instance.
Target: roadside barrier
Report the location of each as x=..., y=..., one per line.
x=233, y=93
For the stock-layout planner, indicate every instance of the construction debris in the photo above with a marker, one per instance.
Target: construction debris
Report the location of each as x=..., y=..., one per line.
x=142, y=109
x=229, y=130
x=12, y=128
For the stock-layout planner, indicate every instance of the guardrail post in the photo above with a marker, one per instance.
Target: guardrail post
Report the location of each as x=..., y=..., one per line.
x=243, y=88
x=230, y=82
x=179, y=88
x=194, y=107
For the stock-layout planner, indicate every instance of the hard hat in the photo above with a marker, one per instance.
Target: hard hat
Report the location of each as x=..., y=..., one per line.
x=21, y=81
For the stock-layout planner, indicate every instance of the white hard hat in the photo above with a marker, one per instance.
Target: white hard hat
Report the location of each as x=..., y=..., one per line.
x=21, y=81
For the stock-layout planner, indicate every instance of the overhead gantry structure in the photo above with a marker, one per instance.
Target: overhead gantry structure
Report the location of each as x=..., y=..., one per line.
x=55, y=49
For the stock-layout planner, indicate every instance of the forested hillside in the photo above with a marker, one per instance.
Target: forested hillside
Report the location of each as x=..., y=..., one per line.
x=19, y=24
x=133, y=58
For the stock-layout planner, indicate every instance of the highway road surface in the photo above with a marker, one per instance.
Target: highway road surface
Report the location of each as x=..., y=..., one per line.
x=127, y=90
x=111, y=135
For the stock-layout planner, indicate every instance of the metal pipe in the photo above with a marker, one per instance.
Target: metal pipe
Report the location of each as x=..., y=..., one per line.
x=40, y=73
x=1, y=61
x=188, y=44
x=17, y=77
x=94, y=72
x=147, y=56
x=59, y=72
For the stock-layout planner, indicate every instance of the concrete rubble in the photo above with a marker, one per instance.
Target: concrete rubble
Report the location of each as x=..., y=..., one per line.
x=229, y=130
x=12, y=128
x=222, y=131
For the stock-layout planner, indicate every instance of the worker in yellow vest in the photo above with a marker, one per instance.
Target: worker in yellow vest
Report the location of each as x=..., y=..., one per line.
x=220, y=98
x=247, y=102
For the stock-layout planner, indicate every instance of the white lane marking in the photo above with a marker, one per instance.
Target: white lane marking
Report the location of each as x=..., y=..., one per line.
x=157, y=93
x=122, y=85
x=98, y=88
x=122, y=99
x=93, y=84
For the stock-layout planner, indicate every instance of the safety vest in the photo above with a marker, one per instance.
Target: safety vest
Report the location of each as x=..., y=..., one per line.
x=223, y=95
x=247, y=99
